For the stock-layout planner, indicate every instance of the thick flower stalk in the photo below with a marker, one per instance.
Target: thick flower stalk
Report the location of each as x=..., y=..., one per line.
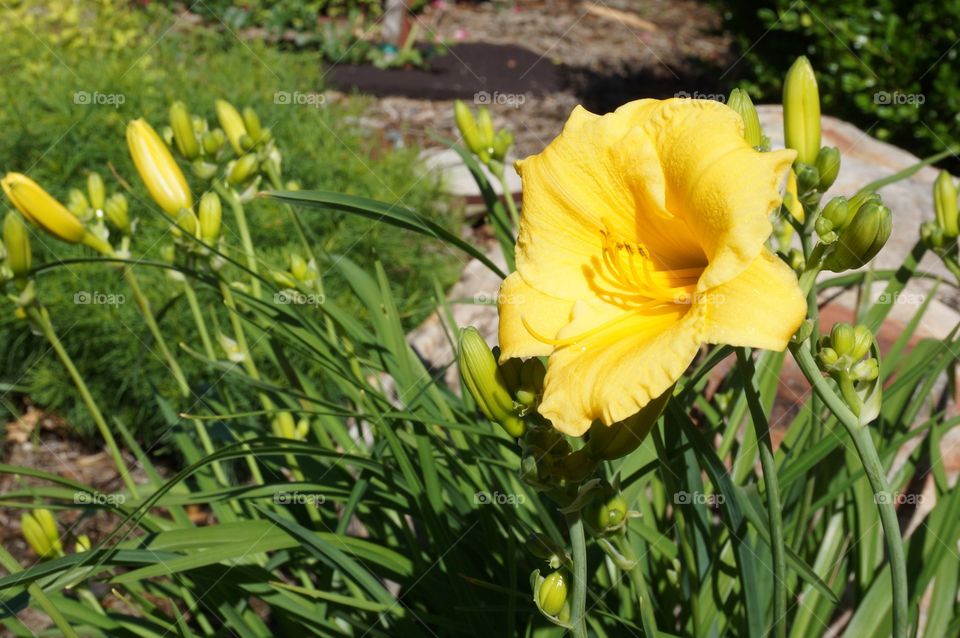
x=643, y=238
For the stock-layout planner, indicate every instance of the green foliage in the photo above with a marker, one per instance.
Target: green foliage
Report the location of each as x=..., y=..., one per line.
x=889, y=66
x=65, y=114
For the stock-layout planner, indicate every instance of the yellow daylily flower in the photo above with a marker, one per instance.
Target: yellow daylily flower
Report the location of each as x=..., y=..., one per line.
x=158, y=170
x=42, y=209
x=642, y=238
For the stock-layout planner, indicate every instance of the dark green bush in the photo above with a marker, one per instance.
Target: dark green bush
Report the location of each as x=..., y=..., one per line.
x=889, y=66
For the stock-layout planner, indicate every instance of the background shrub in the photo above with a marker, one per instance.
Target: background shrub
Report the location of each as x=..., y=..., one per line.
x=889, y=66
x=53, y=128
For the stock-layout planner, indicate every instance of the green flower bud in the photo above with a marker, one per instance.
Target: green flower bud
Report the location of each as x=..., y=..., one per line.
x=575, y=467
x=246, y=142
x=801, y=111
x=502, y=142
x=607, y=516
x=467, y=125
x=116, y=210
x=213, y=141
x=837, y=212
x=40, y=532
x=740, y=102
x=945, y=204
x=292, y=185
x=553, y=593
x=203, y=170
x=842, y=338
x=866, y=370
x=78, y=205
x=242, y=169
x=298, y=267
x=184, y=131
x=210, y=214
x=252, y=121
x=609, y=442
x=932, y=234
x=482, y=377
x=532, y=373
x=808, y=178
x=96, y=190
x=16, y=241
x=828, y=165
x=862, y=239
x=828, y=357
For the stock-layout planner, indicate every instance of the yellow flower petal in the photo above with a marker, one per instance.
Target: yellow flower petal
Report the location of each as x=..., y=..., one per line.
x=601, y=174
x=761, y=308
x=521, y=306
x=612, y=375
x=723, y=188
x=42, y=209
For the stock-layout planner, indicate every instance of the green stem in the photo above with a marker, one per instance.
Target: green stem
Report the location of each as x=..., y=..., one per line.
x=147, y=313
x=878, y=481
x=578, y=608
x=237, y=206
x=39, y=316
x=772, y=488
x=647, y=617
x=508, y=198
x=191, y=296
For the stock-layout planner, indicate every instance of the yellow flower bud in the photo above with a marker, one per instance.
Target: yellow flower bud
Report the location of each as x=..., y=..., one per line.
x=83, y=544
x=740, y=102
x=284, y=425
x=16, y=240
x=242, y=169
x=607, y=514
x=480, y=374
x=96, y=190
x=116, y=209
x=211, y=215
x=801, y=111
x=41, y=209
x=553, y=593
x=252, y=122
x=467, y=125
x=184, y=132
x=303, y=428
x=187, y=222
x=159, y=172
x=945, y=204
x=232, y=124
x=298, y=267
x=842, y=338
x=791, y=200
x=40, y=532
x=485, y=125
